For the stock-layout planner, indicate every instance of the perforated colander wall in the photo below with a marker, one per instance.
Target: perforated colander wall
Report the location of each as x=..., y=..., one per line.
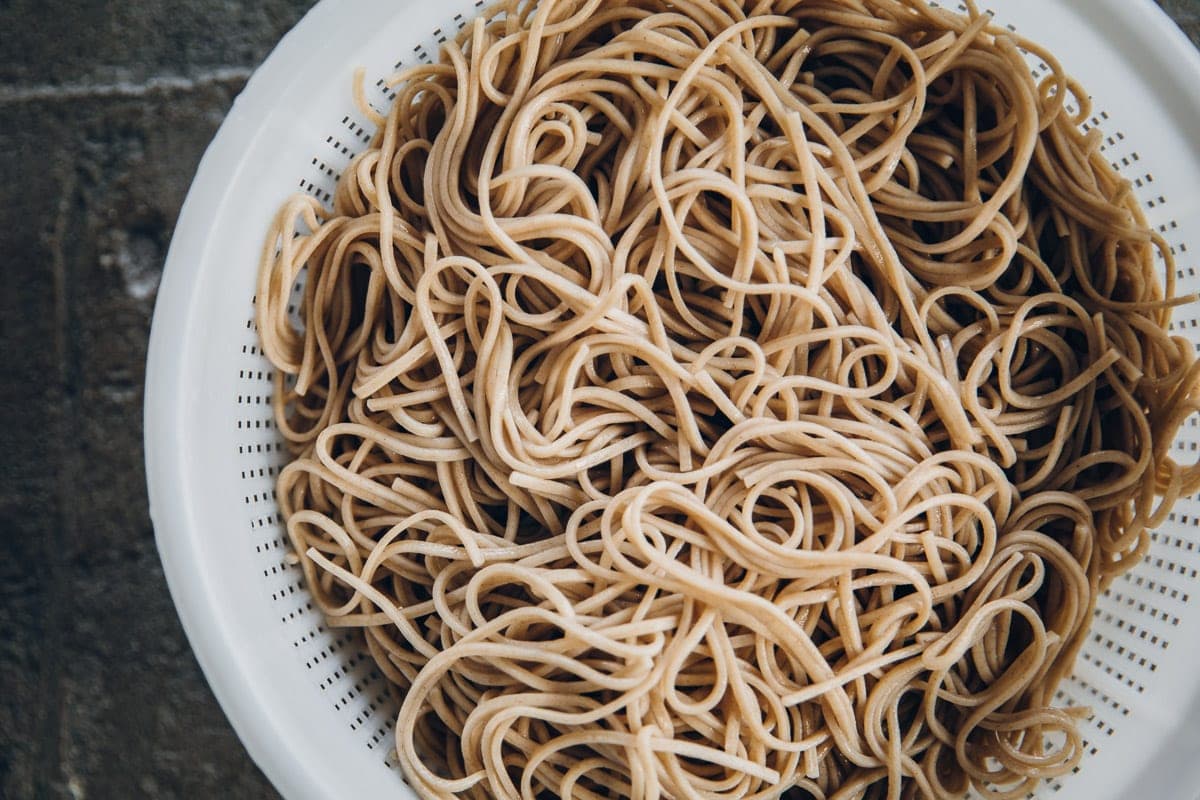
x=1137, y=622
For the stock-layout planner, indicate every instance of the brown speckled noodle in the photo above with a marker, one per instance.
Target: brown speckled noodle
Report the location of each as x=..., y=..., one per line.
x=726, y=400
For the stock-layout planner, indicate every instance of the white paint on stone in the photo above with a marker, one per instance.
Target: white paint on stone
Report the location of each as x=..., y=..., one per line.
x=66, y=91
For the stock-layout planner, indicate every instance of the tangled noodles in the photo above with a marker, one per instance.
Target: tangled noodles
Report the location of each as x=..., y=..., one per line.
x=732, y=399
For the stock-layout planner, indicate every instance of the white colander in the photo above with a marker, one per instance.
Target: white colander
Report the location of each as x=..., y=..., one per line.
x=307, y=701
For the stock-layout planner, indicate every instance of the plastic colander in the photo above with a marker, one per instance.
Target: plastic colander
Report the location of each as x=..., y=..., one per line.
x=307, y=701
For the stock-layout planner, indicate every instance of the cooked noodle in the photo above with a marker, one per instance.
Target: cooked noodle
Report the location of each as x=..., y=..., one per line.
x=728, y=399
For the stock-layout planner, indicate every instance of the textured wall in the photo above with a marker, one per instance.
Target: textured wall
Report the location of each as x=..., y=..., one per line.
x=105, y=109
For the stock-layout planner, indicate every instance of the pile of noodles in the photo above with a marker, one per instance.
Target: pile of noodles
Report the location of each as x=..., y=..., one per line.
x=726, y=399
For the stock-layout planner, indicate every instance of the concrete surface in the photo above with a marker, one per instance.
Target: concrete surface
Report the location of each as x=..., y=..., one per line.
x=105, y=109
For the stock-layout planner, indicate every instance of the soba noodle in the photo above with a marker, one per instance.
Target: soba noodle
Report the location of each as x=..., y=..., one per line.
x=732, y=399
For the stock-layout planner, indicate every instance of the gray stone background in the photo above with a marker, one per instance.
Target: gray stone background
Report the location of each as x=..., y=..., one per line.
x=105, y=110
